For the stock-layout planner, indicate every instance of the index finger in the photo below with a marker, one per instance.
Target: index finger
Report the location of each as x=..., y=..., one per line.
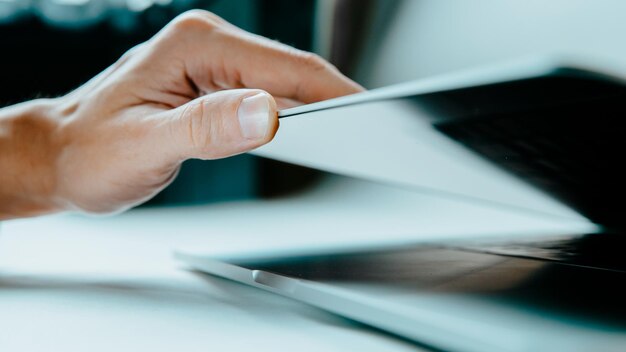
x=237, y=59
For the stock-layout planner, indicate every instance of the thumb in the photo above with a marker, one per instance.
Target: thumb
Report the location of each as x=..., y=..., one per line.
x=224, y=123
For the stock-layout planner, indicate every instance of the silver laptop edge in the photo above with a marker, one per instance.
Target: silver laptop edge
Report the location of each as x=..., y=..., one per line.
x=507, y=71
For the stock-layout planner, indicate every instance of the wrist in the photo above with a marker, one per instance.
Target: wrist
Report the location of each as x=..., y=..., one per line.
x=29, y=149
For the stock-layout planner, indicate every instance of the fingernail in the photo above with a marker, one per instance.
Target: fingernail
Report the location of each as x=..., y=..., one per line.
x=254, y=116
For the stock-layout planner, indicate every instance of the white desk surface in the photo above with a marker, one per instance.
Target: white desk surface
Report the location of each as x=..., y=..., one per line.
x=74, y=283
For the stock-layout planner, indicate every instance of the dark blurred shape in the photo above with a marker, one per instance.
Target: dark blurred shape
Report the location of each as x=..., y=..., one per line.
x=355, y=23
x=350, y=19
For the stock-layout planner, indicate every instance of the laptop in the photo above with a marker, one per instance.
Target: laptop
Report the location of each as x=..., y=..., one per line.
x=545, y=137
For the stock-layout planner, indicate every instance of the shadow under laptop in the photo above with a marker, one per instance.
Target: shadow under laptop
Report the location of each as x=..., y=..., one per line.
x=180, y=295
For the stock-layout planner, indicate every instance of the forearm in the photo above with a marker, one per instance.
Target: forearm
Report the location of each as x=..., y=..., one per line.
x=29, y=149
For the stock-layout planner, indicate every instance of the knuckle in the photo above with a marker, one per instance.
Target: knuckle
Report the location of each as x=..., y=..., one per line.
x=198, y=128
x=196, y=20
x=313, y=61
x=128, y=55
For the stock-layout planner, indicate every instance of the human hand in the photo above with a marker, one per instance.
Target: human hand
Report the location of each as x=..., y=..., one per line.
x=200, y=88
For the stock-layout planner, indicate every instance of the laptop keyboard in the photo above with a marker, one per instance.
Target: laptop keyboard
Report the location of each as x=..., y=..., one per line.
x=605, y=251
x=574, y=152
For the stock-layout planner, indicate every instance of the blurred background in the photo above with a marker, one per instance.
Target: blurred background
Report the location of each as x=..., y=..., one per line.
x=49, y=47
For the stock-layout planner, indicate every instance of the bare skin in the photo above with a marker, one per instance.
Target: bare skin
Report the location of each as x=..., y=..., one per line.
x=200, y=88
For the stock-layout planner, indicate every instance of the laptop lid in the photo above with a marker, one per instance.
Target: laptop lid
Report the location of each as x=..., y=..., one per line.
x=541, y=135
